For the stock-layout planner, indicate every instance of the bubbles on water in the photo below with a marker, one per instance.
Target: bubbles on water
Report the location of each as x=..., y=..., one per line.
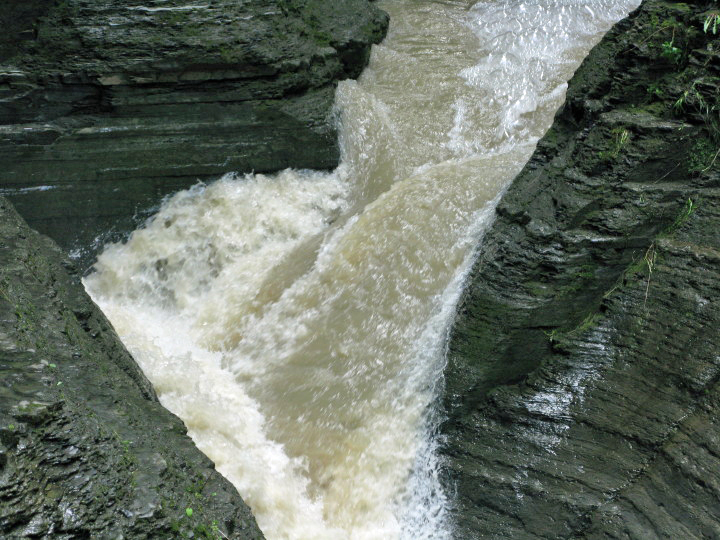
x=530, y=49
x=297, y=322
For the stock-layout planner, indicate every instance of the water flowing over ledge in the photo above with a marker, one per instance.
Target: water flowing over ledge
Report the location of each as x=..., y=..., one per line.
x=297, y=322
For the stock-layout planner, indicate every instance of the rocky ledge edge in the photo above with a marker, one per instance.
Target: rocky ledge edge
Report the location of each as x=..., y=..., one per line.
x=582, y=388
x=86, y=449
x=107, y=106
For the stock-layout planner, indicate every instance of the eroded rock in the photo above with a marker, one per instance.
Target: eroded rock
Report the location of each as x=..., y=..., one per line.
x=86, y=450
x=108, y=106
x=582, y=388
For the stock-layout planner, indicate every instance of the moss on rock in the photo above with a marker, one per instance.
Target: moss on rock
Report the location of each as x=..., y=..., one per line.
x=584, y=357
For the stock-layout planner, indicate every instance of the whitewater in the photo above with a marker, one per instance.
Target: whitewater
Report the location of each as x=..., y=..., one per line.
x=297, y=322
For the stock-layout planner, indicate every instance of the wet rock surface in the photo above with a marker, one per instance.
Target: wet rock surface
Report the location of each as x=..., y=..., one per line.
x=105, y=107
x=582, y=393
x=86, y=450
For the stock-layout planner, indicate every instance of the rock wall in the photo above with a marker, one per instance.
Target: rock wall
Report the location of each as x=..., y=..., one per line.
x=86, y=449
x=106, y=106
x=582, y=391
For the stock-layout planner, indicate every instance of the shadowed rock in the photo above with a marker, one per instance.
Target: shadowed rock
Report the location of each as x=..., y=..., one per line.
x=86, y=450
x=105, y=107
x=582, y=388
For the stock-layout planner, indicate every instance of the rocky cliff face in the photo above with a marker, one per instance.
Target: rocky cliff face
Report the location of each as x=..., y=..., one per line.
x=583, y=391
x=86, y=450
x=105, y=107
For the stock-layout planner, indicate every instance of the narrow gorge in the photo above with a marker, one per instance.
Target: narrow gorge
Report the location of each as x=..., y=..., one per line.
x=296, y=323
x=480, y=303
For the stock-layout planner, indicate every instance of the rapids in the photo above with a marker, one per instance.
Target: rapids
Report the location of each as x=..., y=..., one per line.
x=297, y=322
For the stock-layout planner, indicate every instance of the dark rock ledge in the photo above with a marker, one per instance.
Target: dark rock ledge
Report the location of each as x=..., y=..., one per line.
x=582, y=392
x=86, y=449
x=106, y=106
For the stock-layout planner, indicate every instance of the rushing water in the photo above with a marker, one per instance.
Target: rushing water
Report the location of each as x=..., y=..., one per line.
x=297, y=322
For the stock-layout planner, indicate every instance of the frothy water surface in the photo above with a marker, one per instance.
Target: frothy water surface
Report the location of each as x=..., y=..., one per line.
x=297, y=322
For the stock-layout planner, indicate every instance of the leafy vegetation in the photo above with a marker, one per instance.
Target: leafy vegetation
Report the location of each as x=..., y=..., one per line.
x=670, y=51
x=712, y=23
x=620, y=138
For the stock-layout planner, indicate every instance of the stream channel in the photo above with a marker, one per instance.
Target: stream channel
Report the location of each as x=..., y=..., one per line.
x=297, y=323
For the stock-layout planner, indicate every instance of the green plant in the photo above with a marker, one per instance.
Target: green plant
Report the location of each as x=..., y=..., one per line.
x=216, y=530
x=620, y=137
x=552, y=335
x=657, y=25
x=671, y=47
x=227, y=53
x=686, y=96
x=656, y=90
x=681, y=218
x=654, y=21
x=714, y=159
x=648, y=261
x=712, y=23
x=588, y=322
x=701, y=97
x=650, y=258
x=702, y=156
x=660, y=27
x=212, y=532
x=587, y=272
x=669, y=51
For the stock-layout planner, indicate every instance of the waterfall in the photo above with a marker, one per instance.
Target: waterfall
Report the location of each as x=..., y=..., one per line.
x=297, y=322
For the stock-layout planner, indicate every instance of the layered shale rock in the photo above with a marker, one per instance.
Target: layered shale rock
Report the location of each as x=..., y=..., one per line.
x=583, y=390
x=106, y=106
x=86, y=449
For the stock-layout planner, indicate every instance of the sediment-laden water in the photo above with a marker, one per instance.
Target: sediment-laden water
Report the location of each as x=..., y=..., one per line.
x=297, y=322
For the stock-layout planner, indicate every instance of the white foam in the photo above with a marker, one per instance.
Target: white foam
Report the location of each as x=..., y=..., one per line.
x=297, y=323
